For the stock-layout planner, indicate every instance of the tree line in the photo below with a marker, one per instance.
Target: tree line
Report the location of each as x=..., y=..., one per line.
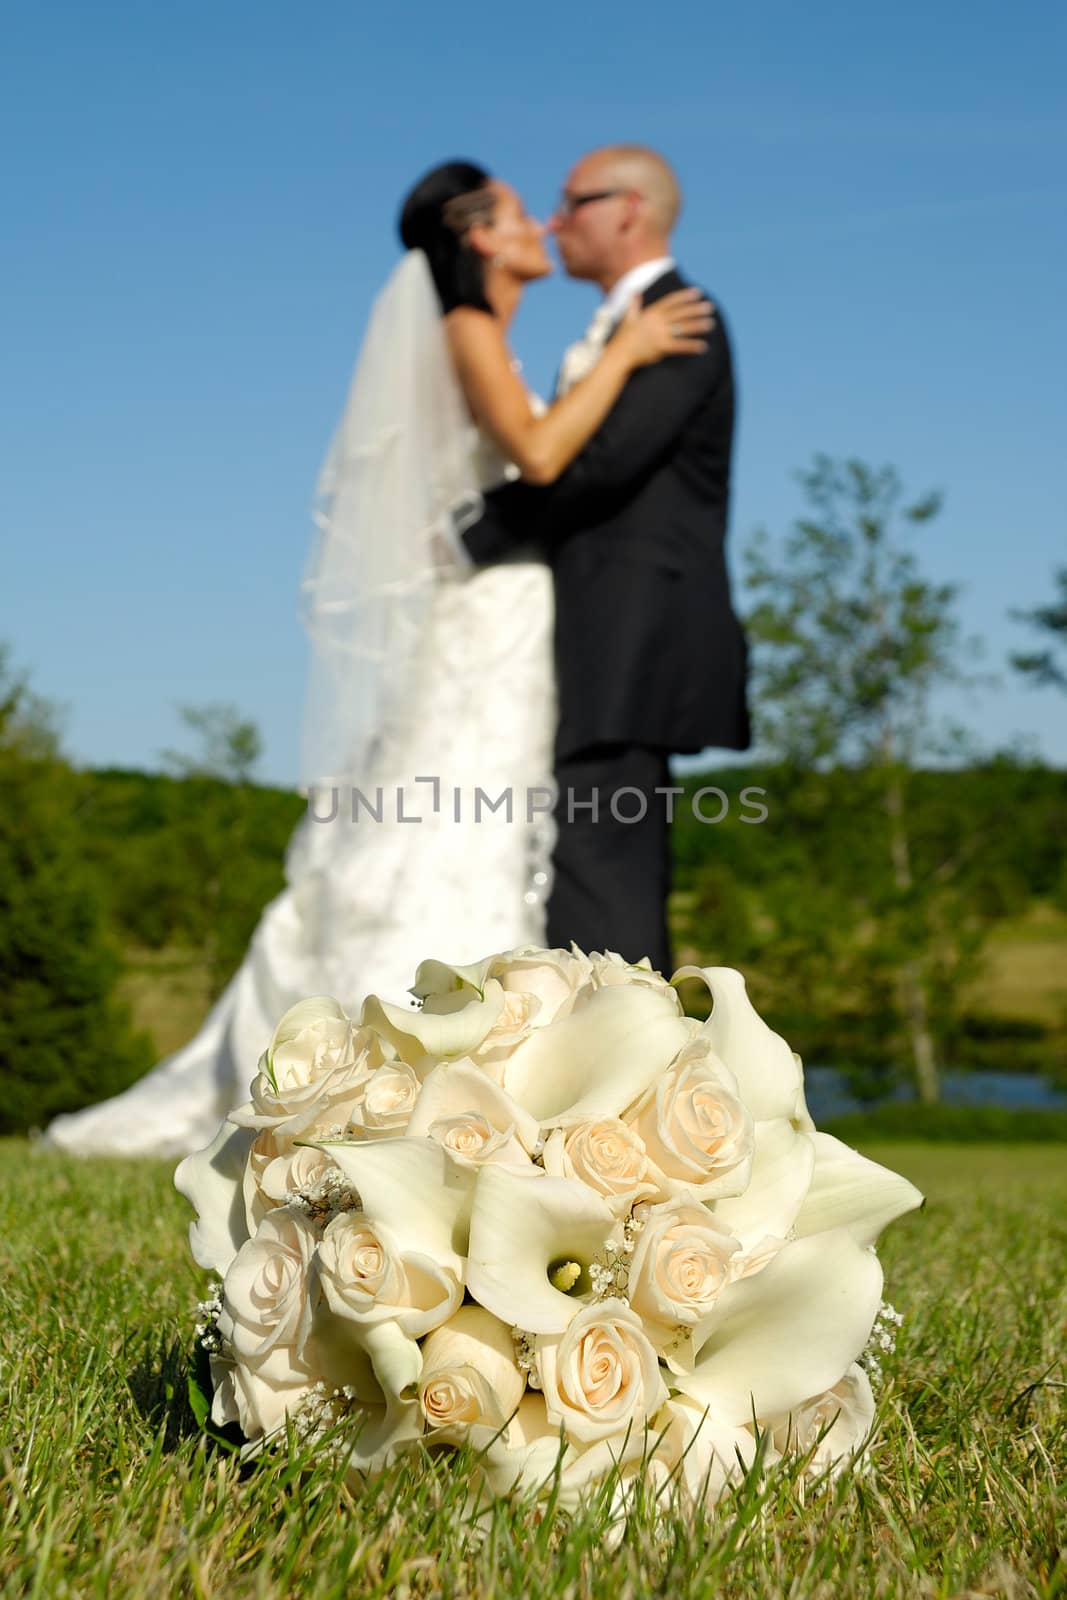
x=860, y=906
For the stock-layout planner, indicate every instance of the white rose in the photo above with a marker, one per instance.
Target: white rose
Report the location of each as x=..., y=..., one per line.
x=609, y=968
x=605, y=1154
x=269, y=1363
x=258, y=1395
x=601, y=1376
x=835, y=1425
x=388, y=1098
x=313, y=1070
x=367, y=1279
x=748, y=1262
x=705, y=1456
x=266, y=1300
x=682, y=1262
x=277, y=1168
x=473, y=1118
x=469, y=1374
x=313, y=1037
x=470, y=1137
x=514, y=1024
x=698, y=1134
x=549, y=979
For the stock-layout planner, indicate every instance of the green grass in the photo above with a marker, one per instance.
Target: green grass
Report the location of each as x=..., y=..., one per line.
x=105, y=1490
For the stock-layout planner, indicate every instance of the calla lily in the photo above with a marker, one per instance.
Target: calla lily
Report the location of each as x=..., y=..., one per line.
x=457, y=1086
x=212, y=1180
x=802, y=1116
x=343, y=1358
x=395, y=1357
x=766, y=1069
x=524, y=1232
x=848, y=1191
x=415, y=1189
x=599, y=1058
x=788, y=1333
x=449, y=1024
x=782, y=1165
x=383, y=1431
x=438, y=977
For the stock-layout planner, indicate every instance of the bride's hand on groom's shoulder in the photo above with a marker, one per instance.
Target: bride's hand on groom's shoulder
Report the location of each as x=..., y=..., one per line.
x=676, y=325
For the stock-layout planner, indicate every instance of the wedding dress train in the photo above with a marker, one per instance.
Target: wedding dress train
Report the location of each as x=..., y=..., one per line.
x=366, y=900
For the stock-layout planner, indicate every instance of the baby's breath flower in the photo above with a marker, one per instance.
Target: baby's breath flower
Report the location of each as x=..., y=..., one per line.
x=526, y=1356
x=882, y=1342
x=209, y=1311
x=326, y=1197
x=321, y=1410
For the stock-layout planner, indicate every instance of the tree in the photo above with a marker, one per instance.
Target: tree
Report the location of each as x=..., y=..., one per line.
x=212, y=835
x=230, y=746
x=850, y=644
x=1048, y=666
x=65, y=1038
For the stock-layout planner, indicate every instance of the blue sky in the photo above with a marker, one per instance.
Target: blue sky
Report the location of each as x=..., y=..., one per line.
x=199, y=203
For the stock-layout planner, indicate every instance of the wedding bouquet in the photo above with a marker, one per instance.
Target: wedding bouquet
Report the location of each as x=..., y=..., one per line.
x=548, y=1216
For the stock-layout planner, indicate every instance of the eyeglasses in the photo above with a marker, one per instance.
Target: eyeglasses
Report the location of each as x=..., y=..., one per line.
x=570, y=203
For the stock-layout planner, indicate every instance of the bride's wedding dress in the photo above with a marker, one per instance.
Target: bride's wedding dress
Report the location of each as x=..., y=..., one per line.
x=441, y=849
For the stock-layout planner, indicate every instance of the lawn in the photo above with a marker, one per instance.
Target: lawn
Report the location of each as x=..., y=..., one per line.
x=105, y=1489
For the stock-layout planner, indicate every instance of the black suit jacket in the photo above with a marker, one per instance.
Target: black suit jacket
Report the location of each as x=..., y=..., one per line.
x=648, y=649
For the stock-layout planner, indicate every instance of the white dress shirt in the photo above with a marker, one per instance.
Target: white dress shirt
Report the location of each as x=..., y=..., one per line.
x=636, y=281
x=580, y=357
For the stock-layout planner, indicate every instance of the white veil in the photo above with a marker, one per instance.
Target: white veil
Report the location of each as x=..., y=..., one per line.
x=397, y=487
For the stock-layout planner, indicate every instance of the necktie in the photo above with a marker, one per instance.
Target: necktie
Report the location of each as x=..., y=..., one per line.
x=582, y=356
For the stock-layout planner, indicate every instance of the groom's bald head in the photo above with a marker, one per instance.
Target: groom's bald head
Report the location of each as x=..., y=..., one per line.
x=635, y=166
x=637, y=202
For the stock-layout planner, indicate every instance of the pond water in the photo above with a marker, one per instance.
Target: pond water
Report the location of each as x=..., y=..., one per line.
x=828, y=1093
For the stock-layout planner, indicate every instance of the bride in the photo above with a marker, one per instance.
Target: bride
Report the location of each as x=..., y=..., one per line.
x=430, y=712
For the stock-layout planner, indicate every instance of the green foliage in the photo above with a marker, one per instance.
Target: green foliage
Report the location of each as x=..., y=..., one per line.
x=850, y=643
x=65, y=1040
x=849, y=637
x=798, y=902
x=1047, y=667
x=95, y=1344
x=186, y=862
x=953, y=1125
x=784, y=899
x=230, y=745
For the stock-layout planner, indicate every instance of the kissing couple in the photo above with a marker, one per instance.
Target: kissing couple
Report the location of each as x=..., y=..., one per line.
x=505, y=598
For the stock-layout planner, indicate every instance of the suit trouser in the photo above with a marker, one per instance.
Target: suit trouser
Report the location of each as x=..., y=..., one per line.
x=612, y=875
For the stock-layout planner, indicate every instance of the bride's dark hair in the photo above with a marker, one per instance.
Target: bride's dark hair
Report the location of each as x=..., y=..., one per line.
x=436, y=217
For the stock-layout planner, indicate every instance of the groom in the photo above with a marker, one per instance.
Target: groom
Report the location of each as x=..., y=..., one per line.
x=650, y=658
